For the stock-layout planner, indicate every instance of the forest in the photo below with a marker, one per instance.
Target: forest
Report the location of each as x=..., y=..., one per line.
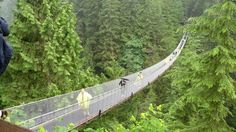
x=60, y=46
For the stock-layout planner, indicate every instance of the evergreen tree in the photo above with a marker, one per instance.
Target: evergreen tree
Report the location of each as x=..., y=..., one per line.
x=108, y=35
x=133, y=55
x=196, y=7
x=47, y=53
x=205, y=87
x=100, y=38
x=87, y=12
x=172, y=14
x=146, y=27
x=141, y=20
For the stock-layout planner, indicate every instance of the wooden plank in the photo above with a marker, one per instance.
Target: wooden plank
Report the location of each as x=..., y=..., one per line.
x=8, y=127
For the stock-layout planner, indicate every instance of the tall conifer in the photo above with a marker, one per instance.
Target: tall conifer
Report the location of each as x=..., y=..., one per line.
x=47, y=52
x=207, y=88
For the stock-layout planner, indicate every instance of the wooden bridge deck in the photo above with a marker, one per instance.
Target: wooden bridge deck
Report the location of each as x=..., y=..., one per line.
x=8, y=127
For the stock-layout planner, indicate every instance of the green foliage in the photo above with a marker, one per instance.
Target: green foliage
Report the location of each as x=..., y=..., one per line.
x=42, y=129
x=108, y=33
x=202, y=80
x=197, y=7
x=147, y=121
x=114, y=71
x=49, y=60
x=118, y=21
x=144, y=32
x=69, y=127
x=231, y=120
x=47, y=53
x=133, y=55
x=98, y=130
x=99, y=37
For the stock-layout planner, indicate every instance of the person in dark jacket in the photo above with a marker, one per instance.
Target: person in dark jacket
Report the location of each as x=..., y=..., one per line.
x=4, y=115
x=5, y=49
x=122, y=83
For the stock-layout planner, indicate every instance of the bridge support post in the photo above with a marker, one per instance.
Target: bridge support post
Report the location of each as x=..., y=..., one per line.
x=100, y=113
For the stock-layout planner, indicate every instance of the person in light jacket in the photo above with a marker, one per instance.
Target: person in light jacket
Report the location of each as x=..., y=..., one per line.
x=139, y=77
x=84, y=99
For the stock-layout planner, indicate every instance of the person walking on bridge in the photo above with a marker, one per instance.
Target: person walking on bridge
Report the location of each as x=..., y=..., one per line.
x=139, y=77
x=168, y=59
x=5, y=49
x=138, y=81
x=175, y=52
x=4, y=115
x=122, y=83
x=84, y=99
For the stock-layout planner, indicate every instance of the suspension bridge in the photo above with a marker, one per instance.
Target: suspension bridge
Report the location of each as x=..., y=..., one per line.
x=64, y=109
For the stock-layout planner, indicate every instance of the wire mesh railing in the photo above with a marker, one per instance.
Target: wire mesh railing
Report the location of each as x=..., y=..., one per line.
x=64, y=109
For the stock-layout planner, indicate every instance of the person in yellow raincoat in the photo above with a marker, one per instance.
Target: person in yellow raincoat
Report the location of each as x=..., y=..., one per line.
x=138, y=81
x=139, y=76
x=167, y=60
x=84, y=99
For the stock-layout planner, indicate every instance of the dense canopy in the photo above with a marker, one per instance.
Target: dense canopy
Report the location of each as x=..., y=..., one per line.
x=65, y=45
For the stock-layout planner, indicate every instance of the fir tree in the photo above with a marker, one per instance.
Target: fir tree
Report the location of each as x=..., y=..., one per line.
x=47, y=52
x=108, y=34
x=87, y=13
x=205, y=86
x=133, y=55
